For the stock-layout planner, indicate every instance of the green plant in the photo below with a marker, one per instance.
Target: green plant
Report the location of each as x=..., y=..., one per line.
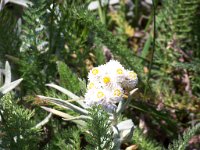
x=17, y=127
x=182, y=142
x=60, y=41
x=144, y=142
x=98, y=132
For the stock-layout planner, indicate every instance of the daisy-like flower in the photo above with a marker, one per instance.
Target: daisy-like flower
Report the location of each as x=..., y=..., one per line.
x=116, y=94
x=132, y=75
x=116, y=69
x=108, y=83
x=130, y=80
x=95, y=96
x=95, y=73
x=100, y=95
x=95, y=84
x=91, y=85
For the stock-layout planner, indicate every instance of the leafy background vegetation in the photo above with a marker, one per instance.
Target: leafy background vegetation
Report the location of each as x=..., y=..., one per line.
x=60, y=41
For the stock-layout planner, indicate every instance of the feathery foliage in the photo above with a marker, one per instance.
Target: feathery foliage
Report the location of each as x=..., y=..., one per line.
x=68, y=139
x=34, y=56
x=68, y=79
x=9, y=34
x=144, y=142
x=176, y=36
x=177, y=21
x=17, y=128
x=106, y=37
x=99, y=134
x=182, y=142
x=46, y=32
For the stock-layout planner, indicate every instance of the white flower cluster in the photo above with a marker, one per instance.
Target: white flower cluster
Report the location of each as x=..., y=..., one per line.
x=108, y=84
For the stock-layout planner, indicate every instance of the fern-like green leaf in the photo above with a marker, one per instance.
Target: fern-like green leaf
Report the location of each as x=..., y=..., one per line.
x=100, y=136
x=144, y=142
x=69, y=80
x=182, y=142
x=17, y=126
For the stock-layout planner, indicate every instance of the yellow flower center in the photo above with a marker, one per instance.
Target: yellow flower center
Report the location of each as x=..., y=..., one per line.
x=95, y=71
x=117, y=92
x=106, y=80
x=119, y=71
x=90, y=85
x=132, y=75
x=100, y=94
